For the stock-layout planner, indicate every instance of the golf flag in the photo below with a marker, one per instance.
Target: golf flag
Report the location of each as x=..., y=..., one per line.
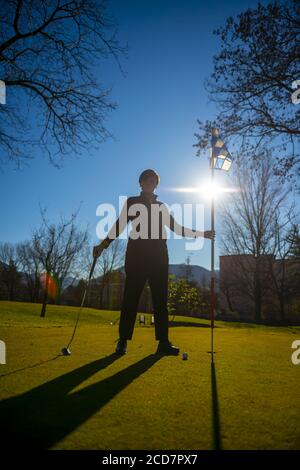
x=220, y=157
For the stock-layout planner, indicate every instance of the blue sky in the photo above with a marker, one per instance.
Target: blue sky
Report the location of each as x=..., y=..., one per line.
x=171, y=46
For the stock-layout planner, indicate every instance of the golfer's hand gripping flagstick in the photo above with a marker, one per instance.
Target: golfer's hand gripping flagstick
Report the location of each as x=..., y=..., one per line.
x=66, y=351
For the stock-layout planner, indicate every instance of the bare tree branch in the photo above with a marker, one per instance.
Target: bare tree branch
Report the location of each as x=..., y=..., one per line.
x=50, y=53
x=252, y=83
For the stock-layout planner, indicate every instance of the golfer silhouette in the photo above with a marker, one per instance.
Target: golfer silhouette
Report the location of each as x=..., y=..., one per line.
x=146, y=259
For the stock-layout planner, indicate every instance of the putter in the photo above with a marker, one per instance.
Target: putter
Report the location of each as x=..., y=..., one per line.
x=67, y=351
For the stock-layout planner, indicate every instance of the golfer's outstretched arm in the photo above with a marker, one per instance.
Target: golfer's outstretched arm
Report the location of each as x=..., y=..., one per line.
x=184, y=231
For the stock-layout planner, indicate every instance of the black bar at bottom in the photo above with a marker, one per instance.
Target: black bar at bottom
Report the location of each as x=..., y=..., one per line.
x=134, y=458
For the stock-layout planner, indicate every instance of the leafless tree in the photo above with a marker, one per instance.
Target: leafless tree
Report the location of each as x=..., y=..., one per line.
x=31, y=269
x=250, y=220
x=294, y=259
x=56, y=247
x=9, y=269
x=50, y=56
x=228, y=287
x=111, y=259
x=285, y=230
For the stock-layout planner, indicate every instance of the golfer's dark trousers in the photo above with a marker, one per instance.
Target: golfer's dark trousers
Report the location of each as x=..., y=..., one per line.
x=146, y=260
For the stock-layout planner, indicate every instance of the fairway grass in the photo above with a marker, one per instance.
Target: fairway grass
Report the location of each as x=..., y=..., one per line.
x=95, y=400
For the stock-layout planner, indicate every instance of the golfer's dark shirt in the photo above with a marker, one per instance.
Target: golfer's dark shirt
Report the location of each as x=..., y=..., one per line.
x=161, y=216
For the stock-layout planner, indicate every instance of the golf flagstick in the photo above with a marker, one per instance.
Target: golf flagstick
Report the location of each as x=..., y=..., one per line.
x=212, y=267
x=66, y=351
x=220, y=160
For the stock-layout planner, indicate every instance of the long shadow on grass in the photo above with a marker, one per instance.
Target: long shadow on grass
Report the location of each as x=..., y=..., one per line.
x=46, y=414
x=217, y=444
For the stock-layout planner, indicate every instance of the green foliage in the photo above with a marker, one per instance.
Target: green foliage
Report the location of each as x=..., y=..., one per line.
x=182, y=297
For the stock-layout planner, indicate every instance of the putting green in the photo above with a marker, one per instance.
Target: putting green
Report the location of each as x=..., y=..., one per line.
x=95, y=400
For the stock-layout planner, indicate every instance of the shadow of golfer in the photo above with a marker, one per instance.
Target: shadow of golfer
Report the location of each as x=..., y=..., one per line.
x=46, y=414
x=217, y=444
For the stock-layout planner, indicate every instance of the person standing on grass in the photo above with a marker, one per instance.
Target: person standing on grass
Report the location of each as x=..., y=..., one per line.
x=146, y=259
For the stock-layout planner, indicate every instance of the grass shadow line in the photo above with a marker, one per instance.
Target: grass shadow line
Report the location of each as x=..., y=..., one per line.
x=216, y=427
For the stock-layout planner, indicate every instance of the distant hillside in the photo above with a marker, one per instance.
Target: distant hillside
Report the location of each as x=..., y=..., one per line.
x=197, y=274
x=194, y=273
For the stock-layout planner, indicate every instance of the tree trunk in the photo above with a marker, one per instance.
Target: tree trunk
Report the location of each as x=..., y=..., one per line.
x=57, y=299
x=227, y=295
x=36, y=291
x=108, y=294
x=12, y=282
x=282, y=309
x=11, y=293
x=43, y=311
x=258, y=302
x=101, y=294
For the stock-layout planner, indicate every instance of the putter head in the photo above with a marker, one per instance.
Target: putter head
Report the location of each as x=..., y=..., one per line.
x=66, y=352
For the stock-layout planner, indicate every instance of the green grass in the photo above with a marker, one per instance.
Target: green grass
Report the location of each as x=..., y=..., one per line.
x=93, y=400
